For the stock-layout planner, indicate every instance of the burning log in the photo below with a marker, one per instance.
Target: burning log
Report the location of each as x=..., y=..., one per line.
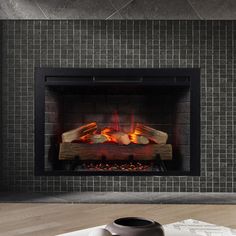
x=77, y=134
x=116, y=136
x=120, y=138
x=154, y=135
x=139, y=139
x=98, y=138
x=86, y=151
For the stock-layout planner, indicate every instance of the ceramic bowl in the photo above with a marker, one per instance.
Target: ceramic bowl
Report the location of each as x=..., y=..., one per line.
x=134, y=226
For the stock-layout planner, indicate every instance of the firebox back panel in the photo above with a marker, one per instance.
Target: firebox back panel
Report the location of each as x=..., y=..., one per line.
x=166, y=109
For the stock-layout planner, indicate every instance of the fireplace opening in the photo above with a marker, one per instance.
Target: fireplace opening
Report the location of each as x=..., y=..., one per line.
x=117, y=122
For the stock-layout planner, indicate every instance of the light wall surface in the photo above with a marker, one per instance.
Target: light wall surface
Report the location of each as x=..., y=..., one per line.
x=119, y=9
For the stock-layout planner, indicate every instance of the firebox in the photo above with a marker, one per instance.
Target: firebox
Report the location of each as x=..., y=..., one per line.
x=117, y=121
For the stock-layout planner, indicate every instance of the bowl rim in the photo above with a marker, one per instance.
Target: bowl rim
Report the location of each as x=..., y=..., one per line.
x=151, y=222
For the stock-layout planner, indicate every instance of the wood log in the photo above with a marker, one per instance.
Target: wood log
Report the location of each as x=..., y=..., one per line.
x=120, y=137
x=98, y=138
x=77, y=133
x=154, y=135
x=68, y=151
x=139, y=139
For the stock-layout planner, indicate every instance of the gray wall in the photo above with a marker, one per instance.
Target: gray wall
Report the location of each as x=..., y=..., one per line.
x=149, y=44
x=118, y=9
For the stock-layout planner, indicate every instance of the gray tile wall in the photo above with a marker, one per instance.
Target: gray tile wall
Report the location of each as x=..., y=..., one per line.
x=206, y=44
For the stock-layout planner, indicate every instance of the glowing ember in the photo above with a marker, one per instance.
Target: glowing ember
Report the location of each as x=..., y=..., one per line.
x=129, y=166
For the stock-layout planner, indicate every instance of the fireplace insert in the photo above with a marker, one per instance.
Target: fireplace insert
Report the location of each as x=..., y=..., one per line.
x=117, y=121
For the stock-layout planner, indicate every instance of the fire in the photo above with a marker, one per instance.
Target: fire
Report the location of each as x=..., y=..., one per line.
x=106, y=132
x=112, y=136
x=132, y=123
x=137, y=138
x=133, y=137
x=85, y=139
x=116, y=121
x=138, y=133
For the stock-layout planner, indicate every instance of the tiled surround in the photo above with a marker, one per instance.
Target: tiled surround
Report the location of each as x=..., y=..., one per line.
x=206, y=44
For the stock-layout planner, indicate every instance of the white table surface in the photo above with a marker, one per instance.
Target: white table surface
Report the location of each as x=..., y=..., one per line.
x=188, y=227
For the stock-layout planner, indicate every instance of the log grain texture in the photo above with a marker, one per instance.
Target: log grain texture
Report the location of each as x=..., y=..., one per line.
x=68, y=151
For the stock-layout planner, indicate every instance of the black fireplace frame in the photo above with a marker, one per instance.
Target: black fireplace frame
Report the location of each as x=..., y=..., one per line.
x=102, y=77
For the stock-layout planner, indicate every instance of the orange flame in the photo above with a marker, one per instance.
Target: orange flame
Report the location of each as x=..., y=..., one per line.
x=106, y=132
x=85, y=139
x=134, y=136
x=132, y=125
x=116, y=121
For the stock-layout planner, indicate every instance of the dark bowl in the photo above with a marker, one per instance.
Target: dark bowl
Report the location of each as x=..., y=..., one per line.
x=135, y=226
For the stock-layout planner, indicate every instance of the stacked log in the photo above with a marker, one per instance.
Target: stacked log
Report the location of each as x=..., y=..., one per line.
x=98, y=138
x=77, y=142
x=139, y=139
x=120, y=138
x=85, y=151
x=142, y=134
x=154, y=135
x=77, y=134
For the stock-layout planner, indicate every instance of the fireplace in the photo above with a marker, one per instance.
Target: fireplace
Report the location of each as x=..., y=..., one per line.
x=117, y=121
